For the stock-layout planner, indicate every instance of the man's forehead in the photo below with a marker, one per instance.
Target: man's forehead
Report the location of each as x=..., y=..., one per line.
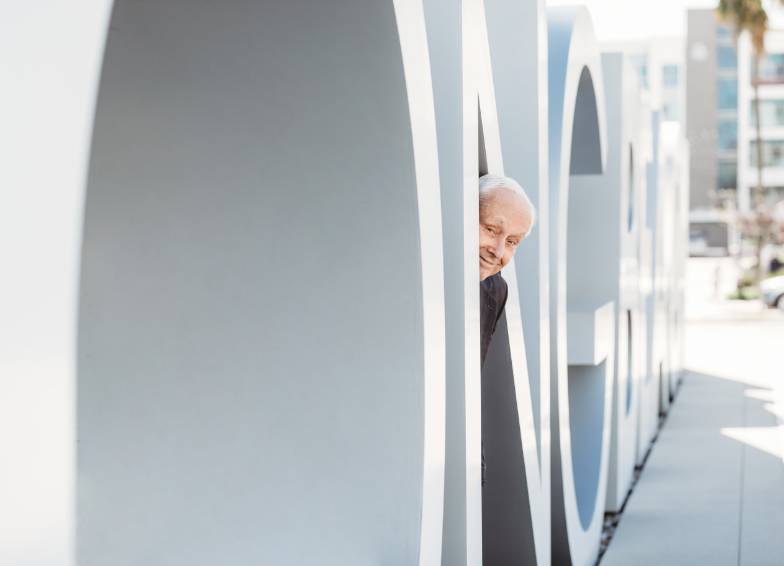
x=503, y=223
x=495, y=220
x=499, y=204
x=504, y=199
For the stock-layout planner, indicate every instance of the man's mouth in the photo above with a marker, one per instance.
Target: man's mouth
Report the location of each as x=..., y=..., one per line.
x=487, y=262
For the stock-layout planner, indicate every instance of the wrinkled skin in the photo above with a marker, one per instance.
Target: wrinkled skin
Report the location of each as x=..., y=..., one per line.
x=504, y=221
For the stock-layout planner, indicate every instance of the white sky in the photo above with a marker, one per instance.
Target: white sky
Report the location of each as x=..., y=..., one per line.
x=616, y=20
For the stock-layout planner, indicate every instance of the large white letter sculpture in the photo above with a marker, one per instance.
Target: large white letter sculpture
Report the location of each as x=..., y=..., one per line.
x=581, y=310
x=278, y=338
x=515, y=388
x=454, y=89
x=650, y=388
x=663, y=273
x=261, y=341
x=615, y=194
x=663, y=182
x=673, y=226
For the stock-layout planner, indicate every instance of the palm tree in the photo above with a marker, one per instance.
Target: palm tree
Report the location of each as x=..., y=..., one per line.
x=749, y=16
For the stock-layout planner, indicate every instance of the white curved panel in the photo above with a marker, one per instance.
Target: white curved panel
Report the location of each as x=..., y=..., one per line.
x=647, y=416
x=261, y=309
x=674, y=233
x=581, y=393
x=616, y=196
x=410, y=19
x=650, y=389
x=680, y=253
x=456, y=119
x=661, y=186
x=515, y=414
x=49, y=80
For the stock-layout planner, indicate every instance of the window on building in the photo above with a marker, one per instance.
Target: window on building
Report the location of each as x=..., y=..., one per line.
x=727, y=57
x=771, y=69
x=772, y=153
x=723, y=31
x=728, y=135
x=771, y=113
x=640, y=63
x=670, y=75
x=728, y=94
x=670, y=111
x=728, y=174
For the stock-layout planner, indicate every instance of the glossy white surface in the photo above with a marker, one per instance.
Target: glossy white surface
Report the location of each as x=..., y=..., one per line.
x=51, y=62
x=456, y=121
x=416, y=68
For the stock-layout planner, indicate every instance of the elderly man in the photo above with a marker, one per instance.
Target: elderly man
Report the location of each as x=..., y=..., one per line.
x=506, y=217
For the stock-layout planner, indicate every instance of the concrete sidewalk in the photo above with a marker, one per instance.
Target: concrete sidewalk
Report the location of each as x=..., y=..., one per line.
x=712, y=490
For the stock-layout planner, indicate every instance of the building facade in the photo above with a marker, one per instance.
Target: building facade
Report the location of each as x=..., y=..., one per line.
x=771, y=115
x=659, y=63
x=712, y=119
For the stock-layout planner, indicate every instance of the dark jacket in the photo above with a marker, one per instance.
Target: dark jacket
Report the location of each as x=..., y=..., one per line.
x=492, y=300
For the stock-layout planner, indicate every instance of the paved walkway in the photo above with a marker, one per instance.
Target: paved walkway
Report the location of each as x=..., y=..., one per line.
x=712, y=491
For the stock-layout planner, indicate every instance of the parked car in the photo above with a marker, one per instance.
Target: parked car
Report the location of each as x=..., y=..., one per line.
x=773, y=291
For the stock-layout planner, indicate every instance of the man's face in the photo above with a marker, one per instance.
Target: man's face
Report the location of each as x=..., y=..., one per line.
x=504, y=219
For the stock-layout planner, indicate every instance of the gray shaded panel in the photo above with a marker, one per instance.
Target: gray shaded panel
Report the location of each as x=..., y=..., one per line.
x=483, y=168
x=507, y=529
x=701, y=114
x=586, y=421
x=586, y=153
x=593, y=241
x=250, y=340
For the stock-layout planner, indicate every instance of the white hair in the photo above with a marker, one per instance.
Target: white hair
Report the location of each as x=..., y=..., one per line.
x=489, y=183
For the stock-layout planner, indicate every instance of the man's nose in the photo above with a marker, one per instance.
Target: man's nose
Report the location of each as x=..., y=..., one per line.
x=499, y=247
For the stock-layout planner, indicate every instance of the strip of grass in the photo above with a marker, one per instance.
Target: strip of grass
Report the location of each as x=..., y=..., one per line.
x=744, y=294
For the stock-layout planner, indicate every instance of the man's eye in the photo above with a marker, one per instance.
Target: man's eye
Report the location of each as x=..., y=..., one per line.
x=511, y=243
